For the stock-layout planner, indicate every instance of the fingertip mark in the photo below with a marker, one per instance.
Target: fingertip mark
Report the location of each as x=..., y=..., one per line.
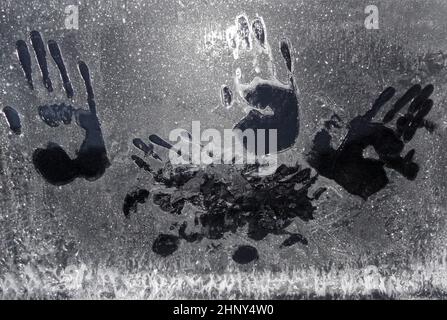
x=293, y=239
x=424, y=110
x=160, y=142
x=421, y=98
x=25, y=61
x=384, y=97
x=141, y=163
x=429, y=125
x=413, y=92
x=146, y=148
x=258, y=29
x=285, y=51
x=387, y=94
x=418, y=120
x=13, y=119
x=226, y=96
x=85, y=74
x=132, y=200
x=244, y=30
x=57, y=57
x=409, y=156
x=39, y=49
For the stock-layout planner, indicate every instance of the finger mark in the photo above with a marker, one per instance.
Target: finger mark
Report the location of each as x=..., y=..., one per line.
x=226, y=96
x=48, y=115
x=258, y=28
x=162, y=143
x=53, y=115
x=424, y=110
x=402, y=123
x=421, y=98
x=25, y=61
x=141, y=163
x=294, y=239
x=384, y=97
x=231, y=34
x=57, y=57
x=132, y=200
x=146, y=148
x=409, y=156
x=411, y=171
x=13, y=119
x=156, y=156
x=285, y=51
x=428, y=125
x=410, y=131
x=413, y=92
x=85, y=73
x=243, y=30
x=418, y=120
x=65, y=113
x=41, y=56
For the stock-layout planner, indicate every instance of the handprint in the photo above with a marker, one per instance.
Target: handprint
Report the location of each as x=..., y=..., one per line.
x=229, y=197
x=53, y=162
x=268, y=102
x=363, y=176
x=225, y=198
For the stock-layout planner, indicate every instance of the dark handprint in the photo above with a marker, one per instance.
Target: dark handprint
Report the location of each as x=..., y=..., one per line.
x=53, y=162
x=226, y=198
x=269, y=103
x=364, y=176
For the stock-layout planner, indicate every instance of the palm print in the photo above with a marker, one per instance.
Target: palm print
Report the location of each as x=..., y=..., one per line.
x=363, y=176
x=53, y=162
x=227, y=199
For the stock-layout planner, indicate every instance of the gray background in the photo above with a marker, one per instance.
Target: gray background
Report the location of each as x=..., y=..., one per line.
x=152, y=72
